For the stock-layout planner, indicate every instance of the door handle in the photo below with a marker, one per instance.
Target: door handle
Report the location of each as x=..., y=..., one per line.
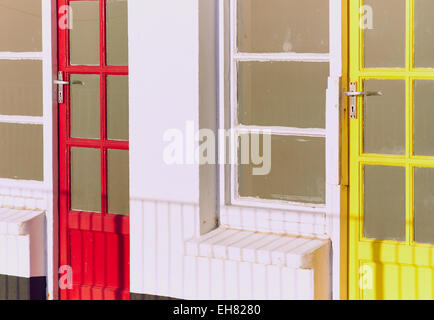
x=366, y=93
x=60, y=82
x=353, y=94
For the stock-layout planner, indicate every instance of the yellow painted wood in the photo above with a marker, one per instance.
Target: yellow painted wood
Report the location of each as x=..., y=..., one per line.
x=344, y=159
x=381, y=269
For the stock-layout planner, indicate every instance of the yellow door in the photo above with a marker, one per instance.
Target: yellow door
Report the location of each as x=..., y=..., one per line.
x=391, y=228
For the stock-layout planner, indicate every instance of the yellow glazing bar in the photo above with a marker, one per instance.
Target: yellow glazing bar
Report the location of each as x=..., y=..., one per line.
x=381, y=73
x=409, y=217
x=354, y=64
x=409, y=61
x=409, y=116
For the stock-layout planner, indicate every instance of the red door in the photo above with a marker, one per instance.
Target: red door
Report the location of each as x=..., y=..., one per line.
x=93, y=148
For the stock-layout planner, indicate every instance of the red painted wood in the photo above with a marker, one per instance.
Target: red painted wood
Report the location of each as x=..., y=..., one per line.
x=95, y=245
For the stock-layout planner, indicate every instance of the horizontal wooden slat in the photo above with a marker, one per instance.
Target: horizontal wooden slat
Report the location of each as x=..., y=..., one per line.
x=99, y=222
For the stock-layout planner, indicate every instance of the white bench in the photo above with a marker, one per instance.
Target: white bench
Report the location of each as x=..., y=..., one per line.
x=22, y=250
x=302, y=264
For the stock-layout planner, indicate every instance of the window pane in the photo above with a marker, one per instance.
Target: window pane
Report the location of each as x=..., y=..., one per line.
x=297, y=171
x=117, y=32
x=283, y=26
x=384, y=203
x=290, y=94
x=384, y=117
x=424, y=205
x=20, y=25
x=385, y=41
x=85, y=106
x=21, y=87
x=118, y=182
x=84, y=35
x=423, y=33
x=86, y=179
x=423, y=117
x=117, y=107
x=21, y=151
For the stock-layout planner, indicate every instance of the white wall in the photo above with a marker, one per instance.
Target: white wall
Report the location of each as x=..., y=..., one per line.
x=164, y=94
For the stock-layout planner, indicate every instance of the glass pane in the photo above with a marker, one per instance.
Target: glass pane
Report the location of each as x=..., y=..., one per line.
x=21, y=87
x=424, y=205
x=297, y=170
x=385, y=39
x=423, y=34
x=117, y=32
x=84, y=34
x=384, y=203
x=21, y=151
x=384, y=117
x=283, y=26
x=20, y=25
x=118, y=182
x=117, y=107
x=85, y=106
x=423, y=117
x=290, y=94
x=86, y=179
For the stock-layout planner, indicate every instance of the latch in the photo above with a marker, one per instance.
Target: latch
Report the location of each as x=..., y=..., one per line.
x=353, y=94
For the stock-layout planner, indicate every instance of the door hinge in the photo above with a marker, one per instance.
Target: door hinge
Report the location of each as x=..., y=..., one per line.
x=60, y=83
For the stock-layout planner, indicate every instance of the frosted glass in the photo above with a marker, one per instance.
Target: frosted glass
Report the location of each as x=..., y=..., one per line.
x=423, y=33
x=118, y=182
x=384, y=203
x=297, y=171
x=423, y=117
x=424, y=205
x=283, y=26
x=117, y=32
x=21, y=88
x=86, y=179
x=385, y=43
x=384, y=117
x=21, y=151
x=290, y=94
x=117, y=108
x=85, y=106
x=20, y=25
x=84, y=35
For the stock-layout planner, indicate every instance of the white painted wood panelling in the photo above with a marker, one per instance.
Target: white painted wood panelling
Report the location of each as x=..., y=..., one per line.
x=223, y=264
x=158, y=233
x=274, y=220
x=267, y=266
